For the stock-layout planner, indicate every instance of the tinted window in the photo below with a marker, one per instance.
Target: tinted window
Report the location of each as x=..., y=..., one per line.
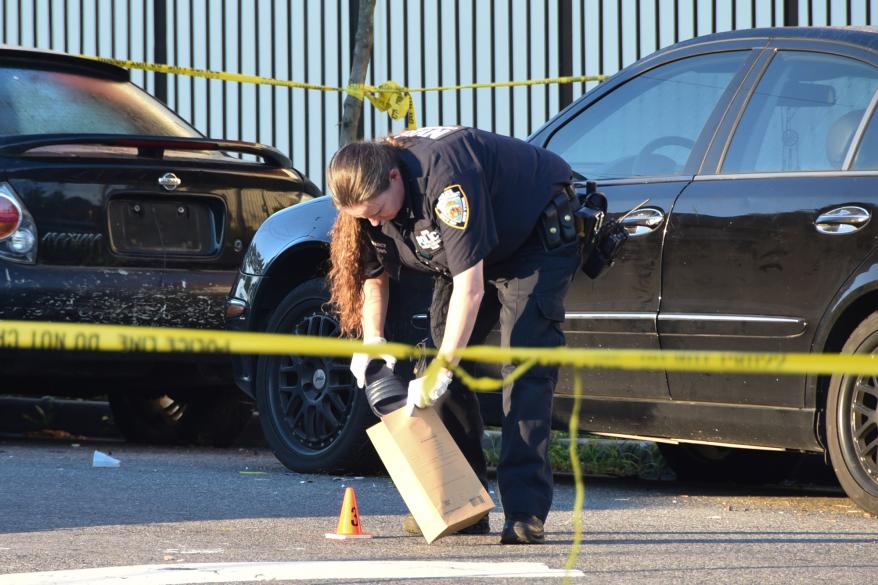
x=648, y=126
x=867, y=153
x=803, y=114
x=50, y=102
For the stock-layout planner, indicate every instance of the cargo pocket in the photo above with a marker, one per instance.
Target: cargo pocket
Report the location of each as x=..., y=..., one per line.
x=552, y=309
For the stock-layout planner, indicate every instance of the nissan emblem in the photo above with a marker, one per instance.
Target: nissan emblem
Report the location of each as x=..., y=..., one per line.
x=169, y=181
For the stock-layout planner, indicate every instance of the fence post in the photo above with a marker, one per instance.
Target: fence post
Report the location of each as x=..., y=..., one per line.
x=565, y=51
x=160, y=46
x=791, y=13
x=361, y=55
x=353, y=21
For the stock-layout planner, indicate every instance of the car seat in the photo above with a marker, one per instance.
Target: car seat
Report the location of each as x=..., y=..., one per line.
x=839, y=136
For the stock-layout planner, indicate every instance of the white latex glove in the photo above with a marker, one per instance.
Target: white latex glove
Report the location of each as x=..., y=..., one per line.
x=416, y=397
x=359, y=361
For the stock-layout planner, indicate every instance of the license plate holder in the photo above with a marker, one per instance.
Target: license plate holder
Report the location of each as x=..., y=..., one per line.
x=154, y=226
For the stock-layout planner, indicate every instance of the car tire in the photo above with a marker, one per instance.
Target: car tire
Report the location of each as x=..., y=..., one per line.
x=852, y=422
x=212, y=416
x=693, y=462
x=312, y=414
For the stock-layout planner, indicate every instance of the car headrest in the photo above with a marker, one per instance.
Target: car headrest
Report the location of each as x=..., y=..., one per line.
x=839, y=136
x=796, y=94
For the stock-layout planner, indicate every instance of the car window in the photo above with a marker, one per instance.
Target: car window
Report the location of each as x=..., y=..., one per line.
x=802, y=115
x=104, y=151
x=35, y=101
x=648, y=126
x=867, y=153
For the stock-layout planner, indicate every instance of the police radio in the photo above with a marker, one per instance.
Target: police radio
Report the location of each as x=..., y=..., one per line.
x=601, y=240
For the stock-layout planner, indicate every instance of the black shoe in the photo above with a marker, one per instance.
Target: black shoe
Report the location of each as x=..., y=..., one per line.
x=483, y=526
x=523, y=530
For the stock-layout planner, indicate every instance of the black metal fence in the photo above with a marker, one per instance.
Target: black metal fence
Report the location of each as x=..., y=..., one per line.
x=418, y=43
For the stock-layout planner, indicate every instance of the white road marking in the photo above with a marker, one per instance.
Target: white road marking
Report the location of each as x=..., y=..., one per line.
x=191, y=573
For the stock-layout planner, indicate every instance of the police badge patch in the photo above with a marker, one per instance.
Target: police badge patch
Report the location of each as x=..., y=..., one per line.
x=453, y=208
x=429, y=240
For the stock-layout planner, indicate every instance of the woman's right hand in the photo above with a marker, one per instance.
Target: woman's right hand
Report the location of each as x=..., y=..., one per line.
x=359, y=361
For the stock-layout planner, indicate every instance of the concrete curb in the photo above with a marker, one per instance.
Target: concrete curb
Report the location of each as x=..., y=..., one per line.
x=92, y=418
x=492, y=439
x=22, y=415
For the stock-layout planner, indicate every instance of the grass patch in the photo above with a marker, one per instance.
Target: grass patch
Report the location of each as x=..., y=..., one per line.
x=598, y=456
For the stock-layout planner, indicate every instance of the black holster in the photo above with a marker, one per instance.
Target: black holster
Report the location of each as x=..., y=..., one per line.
x=602, y=240
x=558, y=224
x=569, y=218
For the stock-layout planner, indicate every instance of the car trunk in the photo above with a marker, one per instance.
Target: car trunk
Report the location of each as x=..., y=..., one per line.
x=116, y=246
x=117, y=214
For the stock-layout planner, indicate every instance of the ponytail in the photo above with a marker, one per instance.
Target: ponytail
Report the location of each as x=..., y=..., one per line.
x=346, y=274
x=356, y=173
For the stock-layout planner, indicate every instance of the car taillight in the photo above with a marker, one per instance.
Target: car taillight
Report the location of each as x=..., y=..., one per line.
x=10, y=217
x=18, y=231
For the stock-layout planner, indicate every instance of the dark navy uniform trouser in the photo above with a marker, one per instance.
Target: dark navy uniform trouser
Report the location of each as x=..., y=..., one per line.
x=526, y=294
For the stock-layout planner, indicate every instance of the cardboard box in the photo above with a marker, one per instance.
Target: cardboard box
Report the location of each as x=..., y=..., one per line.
x=436, y=482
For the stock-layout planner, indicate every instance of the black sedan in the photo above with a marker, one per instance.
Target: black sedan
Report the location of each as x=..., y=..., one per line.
x=115, y=210
x=758, y=152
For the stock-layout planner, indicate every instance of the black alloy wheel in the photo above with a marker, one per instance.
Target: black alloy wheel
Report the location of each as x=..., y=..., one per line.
x=311, y=411
x=314, y=394
x=852, y=422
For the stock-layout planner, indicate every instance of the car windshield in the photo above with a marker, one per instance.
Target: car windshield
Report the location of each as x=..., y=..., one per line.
x=34, y=101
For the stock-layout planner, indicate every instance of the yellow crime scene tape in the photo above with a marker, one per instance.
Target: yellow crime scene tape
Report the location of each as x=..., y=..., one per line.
x=389, y=97
x=37, y=335
x=31, y=335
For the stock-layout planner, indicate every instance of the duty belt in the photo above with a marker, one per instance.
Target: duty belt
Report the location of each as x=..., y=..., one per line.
x=558, y=224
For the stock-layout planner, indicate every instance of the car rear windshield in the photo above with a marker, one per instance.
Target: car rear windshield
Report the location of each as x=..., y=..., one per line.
x=34, y=101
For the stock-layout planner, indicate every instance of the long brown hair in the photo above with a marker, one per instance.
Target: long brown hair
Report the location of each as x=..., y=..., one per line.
x=356, y=173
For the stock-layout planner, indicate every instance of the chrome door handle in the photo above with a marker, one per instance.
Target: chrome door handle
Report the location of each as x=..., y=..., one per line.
x=843, y=220
x=643, y=221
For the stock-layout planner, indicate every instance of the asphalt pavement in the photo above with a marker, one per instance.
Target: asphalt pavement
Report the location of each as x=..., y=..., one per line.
x=173, y=510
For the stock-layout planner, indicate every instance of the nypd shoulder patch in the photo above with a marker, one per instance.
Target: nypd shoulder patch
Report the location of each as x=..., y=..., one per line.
x=452, y=208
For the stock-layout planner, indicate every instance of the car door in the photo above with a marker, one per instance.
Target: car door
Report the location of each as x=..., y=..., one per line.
x=640, y=140
x=779, y=218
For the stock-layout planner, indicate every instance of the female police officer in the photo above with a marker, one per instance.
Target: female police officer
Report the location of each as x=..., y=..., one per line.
x=465, y=205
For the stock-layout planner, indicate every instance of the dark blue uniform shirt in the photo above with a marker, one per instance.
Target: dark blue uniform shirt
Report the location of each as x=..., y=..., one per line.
x=471, y=195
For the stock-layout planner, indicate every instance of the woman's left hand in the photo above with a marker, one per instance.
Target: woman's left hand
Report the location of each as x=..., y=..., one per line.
x=418, y=398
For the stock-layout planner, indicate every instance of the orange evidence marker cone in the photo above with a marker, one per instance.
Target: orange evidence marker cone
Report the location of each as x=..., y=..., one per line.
x=349, y=519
